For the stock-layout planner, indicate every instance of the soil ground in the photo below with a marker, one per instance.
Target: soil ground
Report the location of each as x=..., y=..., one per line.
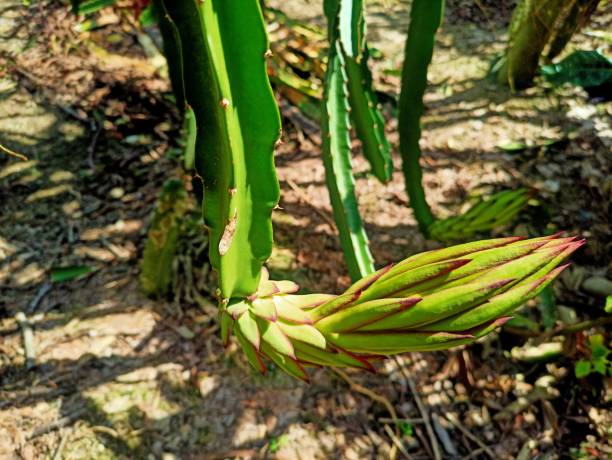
x=118, y=375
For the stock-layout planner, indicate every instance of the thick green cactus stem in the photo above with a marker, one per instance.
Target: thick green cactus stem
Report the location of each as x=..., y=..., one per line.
x=577, y=15
x=367, y=119
x=237, y=126
x=335, y=125
x=173, y=51
x=533, y=23
x=425, y=17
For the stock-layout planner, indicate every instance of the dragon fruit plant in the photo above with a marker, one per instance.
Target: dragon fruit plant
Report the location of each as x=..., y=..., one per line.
x=217, y=52
x=430, y=301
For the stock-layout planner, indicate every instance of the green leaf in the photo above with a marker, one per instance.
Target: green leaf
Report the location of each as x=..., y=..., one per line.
x=587, y=69
x=90, y=6
x=548, y=307
x=600, y=366
x=149, y=15
x=406, y=428
x=598, y=347
x=582, y=368
x=496, y=210
x=513, y=146
x=608, y=307
x=62, y=274
x=523, y=323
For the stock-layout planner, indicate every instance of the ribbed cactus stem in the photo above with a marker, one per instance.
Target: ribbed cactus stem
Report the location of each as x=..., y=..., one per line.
x=226, y=85
x=425, y=17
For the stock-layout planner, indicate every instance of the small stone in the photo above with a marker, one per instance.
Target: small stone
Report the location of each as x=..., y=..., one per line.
x=552, y=186
x=460, y=389
x=116, y=193
x=206, y=383
x=529, y=418
x=598, y=285
x=433, y=399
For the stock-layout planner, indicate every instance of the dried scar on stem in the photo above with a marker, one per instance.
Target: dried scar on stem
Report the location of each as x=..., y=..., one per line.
x=228, y=234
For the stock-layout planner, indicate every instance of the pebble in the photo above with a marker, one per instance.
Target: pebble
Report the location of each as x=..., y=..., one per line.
x=116, y=193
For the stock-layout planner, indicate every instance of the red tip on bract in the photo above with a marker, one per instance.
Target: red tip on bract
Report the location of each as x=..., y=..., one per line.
x=550, y=243
x=554, y=235
x=500, y=283
x=501, y=321
x=512, y=239
x=262, y=365
x=363, y=359
x=549, y=276
x=304, y=377
x=489, y=326
x=408, y=302
x=556, y=249
x=577, y=244
x=560, y=268
x=453, y=264
x=568, y=248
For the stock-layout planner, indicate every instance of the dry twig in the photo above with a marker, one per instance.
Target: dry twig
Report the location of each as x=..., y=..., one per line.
x=60, y=447
x=13, y=153
x=28, y=339
x=457, y=424
x=412, y=421
x=443, y=435
x=374, y=396
x=59, y=423
x=422, y=409
x=572, y=328
x=43, y=290
x=397, y=442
